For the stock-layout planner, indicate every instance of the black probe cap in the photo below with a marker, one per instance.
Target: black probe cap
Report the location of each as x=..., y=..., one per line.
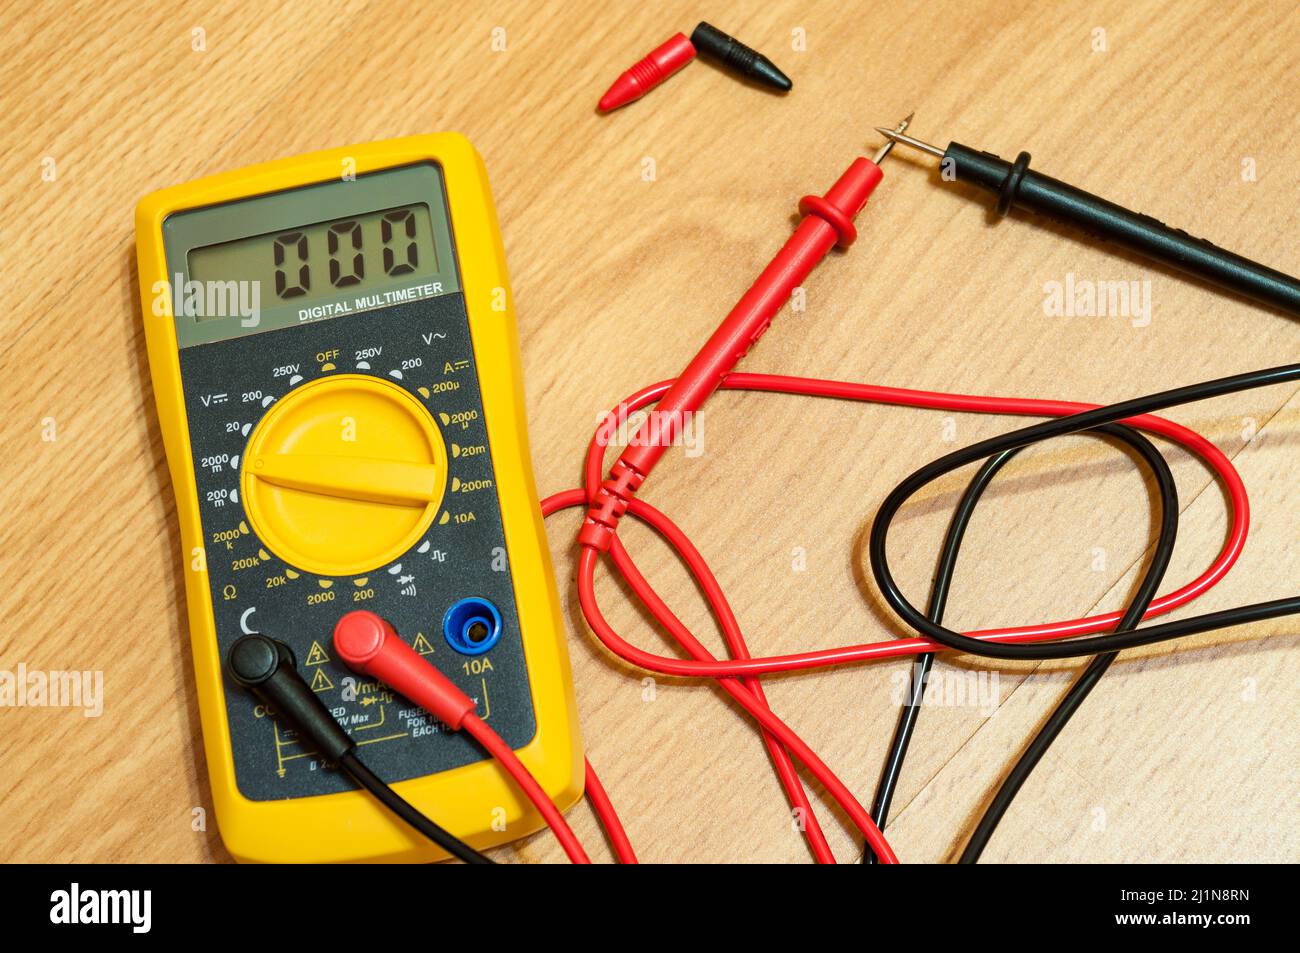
x=266, y=668
x=736, y=56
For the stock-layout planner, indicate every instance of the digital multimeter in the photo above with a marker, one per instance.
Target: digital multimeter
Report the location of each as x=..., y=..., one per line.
x=335, y=362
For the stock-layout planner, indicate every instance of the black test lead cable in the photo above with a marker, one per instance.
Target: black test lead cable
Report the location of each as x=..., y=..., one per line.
x=961, y=517
x=1086, y=682
x=938, y=599
x=921, y=666
x=266, y=667
x=1059, y=427
x=1016, y=186
x=383, y=793
x=1107, y=646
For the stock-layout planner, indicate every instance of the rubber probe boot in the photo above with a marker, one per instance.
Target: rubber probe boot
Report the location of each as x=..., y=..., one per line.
x=739, y=58
x=647, y=73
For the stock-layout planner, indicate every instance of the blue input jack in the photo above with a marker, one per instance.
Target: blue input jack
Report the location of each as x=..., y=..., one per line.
x=472, y=626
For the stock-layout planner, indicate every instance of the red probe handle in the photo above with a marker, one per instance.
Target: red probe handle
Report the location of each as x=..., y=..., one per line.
x=828, y=220
x=371, y=646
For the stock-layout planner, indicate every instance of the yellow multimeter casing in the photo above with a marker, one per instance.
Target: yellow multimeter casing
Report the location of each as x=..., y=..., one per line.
x=223, y=391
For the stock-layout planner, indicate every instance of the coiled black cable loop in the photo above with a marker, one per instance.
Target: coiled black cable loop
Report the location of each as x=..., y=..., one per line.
x=1168, y=495
x=1061, y=426
x=998, y=450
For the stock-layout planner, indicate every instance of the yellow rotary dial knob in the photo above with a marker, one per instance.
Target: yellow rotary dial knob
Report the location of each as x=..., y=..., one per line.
x=343, y=475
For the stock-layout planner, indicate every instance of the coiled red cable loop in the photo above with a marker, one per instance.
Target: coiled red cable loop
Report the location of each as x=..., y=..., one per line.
x=738, y=676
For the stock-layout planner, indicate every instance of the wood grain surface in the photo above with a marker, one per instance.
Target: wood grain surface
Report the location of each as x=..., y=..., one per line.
x=1185, y=110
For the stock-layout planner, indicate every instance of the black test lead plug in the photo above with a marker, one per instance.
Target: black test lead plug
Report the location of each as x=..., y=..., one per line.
x=737, y=57
x=1016, y=186
x=266, y=667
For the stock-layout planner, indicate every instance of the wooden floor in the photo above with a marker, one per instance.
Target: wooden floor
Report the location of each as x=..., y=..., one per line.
x=1186, y=110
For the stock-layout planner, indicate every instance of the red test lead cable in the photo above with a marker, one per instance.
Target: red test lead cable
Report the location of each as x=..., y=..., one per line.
x=827, y=222
x=745, y=668
x=1211, y=456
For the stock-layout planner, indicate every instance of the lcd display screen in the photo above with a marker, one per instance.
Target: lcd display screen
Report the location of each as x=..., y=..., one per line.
x=362, y=253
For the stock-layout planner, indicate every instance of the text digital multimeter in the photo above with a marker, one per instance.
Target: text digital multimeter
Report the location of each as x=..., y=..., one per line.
x=335, y=363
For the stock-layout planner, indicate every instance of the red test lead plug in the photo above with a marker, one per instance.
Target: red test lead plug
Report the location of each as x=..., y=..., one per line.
x=828, y=221
x=371, y=646
x=646, y=74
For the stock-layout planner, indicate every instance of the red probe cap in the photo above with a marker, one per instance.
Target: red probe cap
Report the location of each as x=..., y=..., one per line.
x=647, y=73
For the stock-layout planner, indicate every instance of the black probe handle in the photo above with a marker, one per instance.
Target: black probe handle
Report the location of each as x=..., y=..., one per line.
x=1016, y=186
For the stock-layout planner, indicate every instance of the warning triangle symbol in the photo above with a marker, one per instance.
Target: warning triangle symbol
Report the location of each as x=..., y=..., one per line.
x=317, y=655
x=421, y=645
x=321, y=683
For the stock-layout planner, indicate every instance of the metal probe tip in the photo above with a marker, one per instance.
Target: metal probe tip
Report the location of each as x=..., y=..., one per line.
x=896, y=135
x=884, y=150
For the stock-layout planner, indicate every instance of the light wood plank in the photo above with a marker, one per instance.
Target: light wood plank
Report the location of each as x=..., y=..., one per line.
x=617, y=280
